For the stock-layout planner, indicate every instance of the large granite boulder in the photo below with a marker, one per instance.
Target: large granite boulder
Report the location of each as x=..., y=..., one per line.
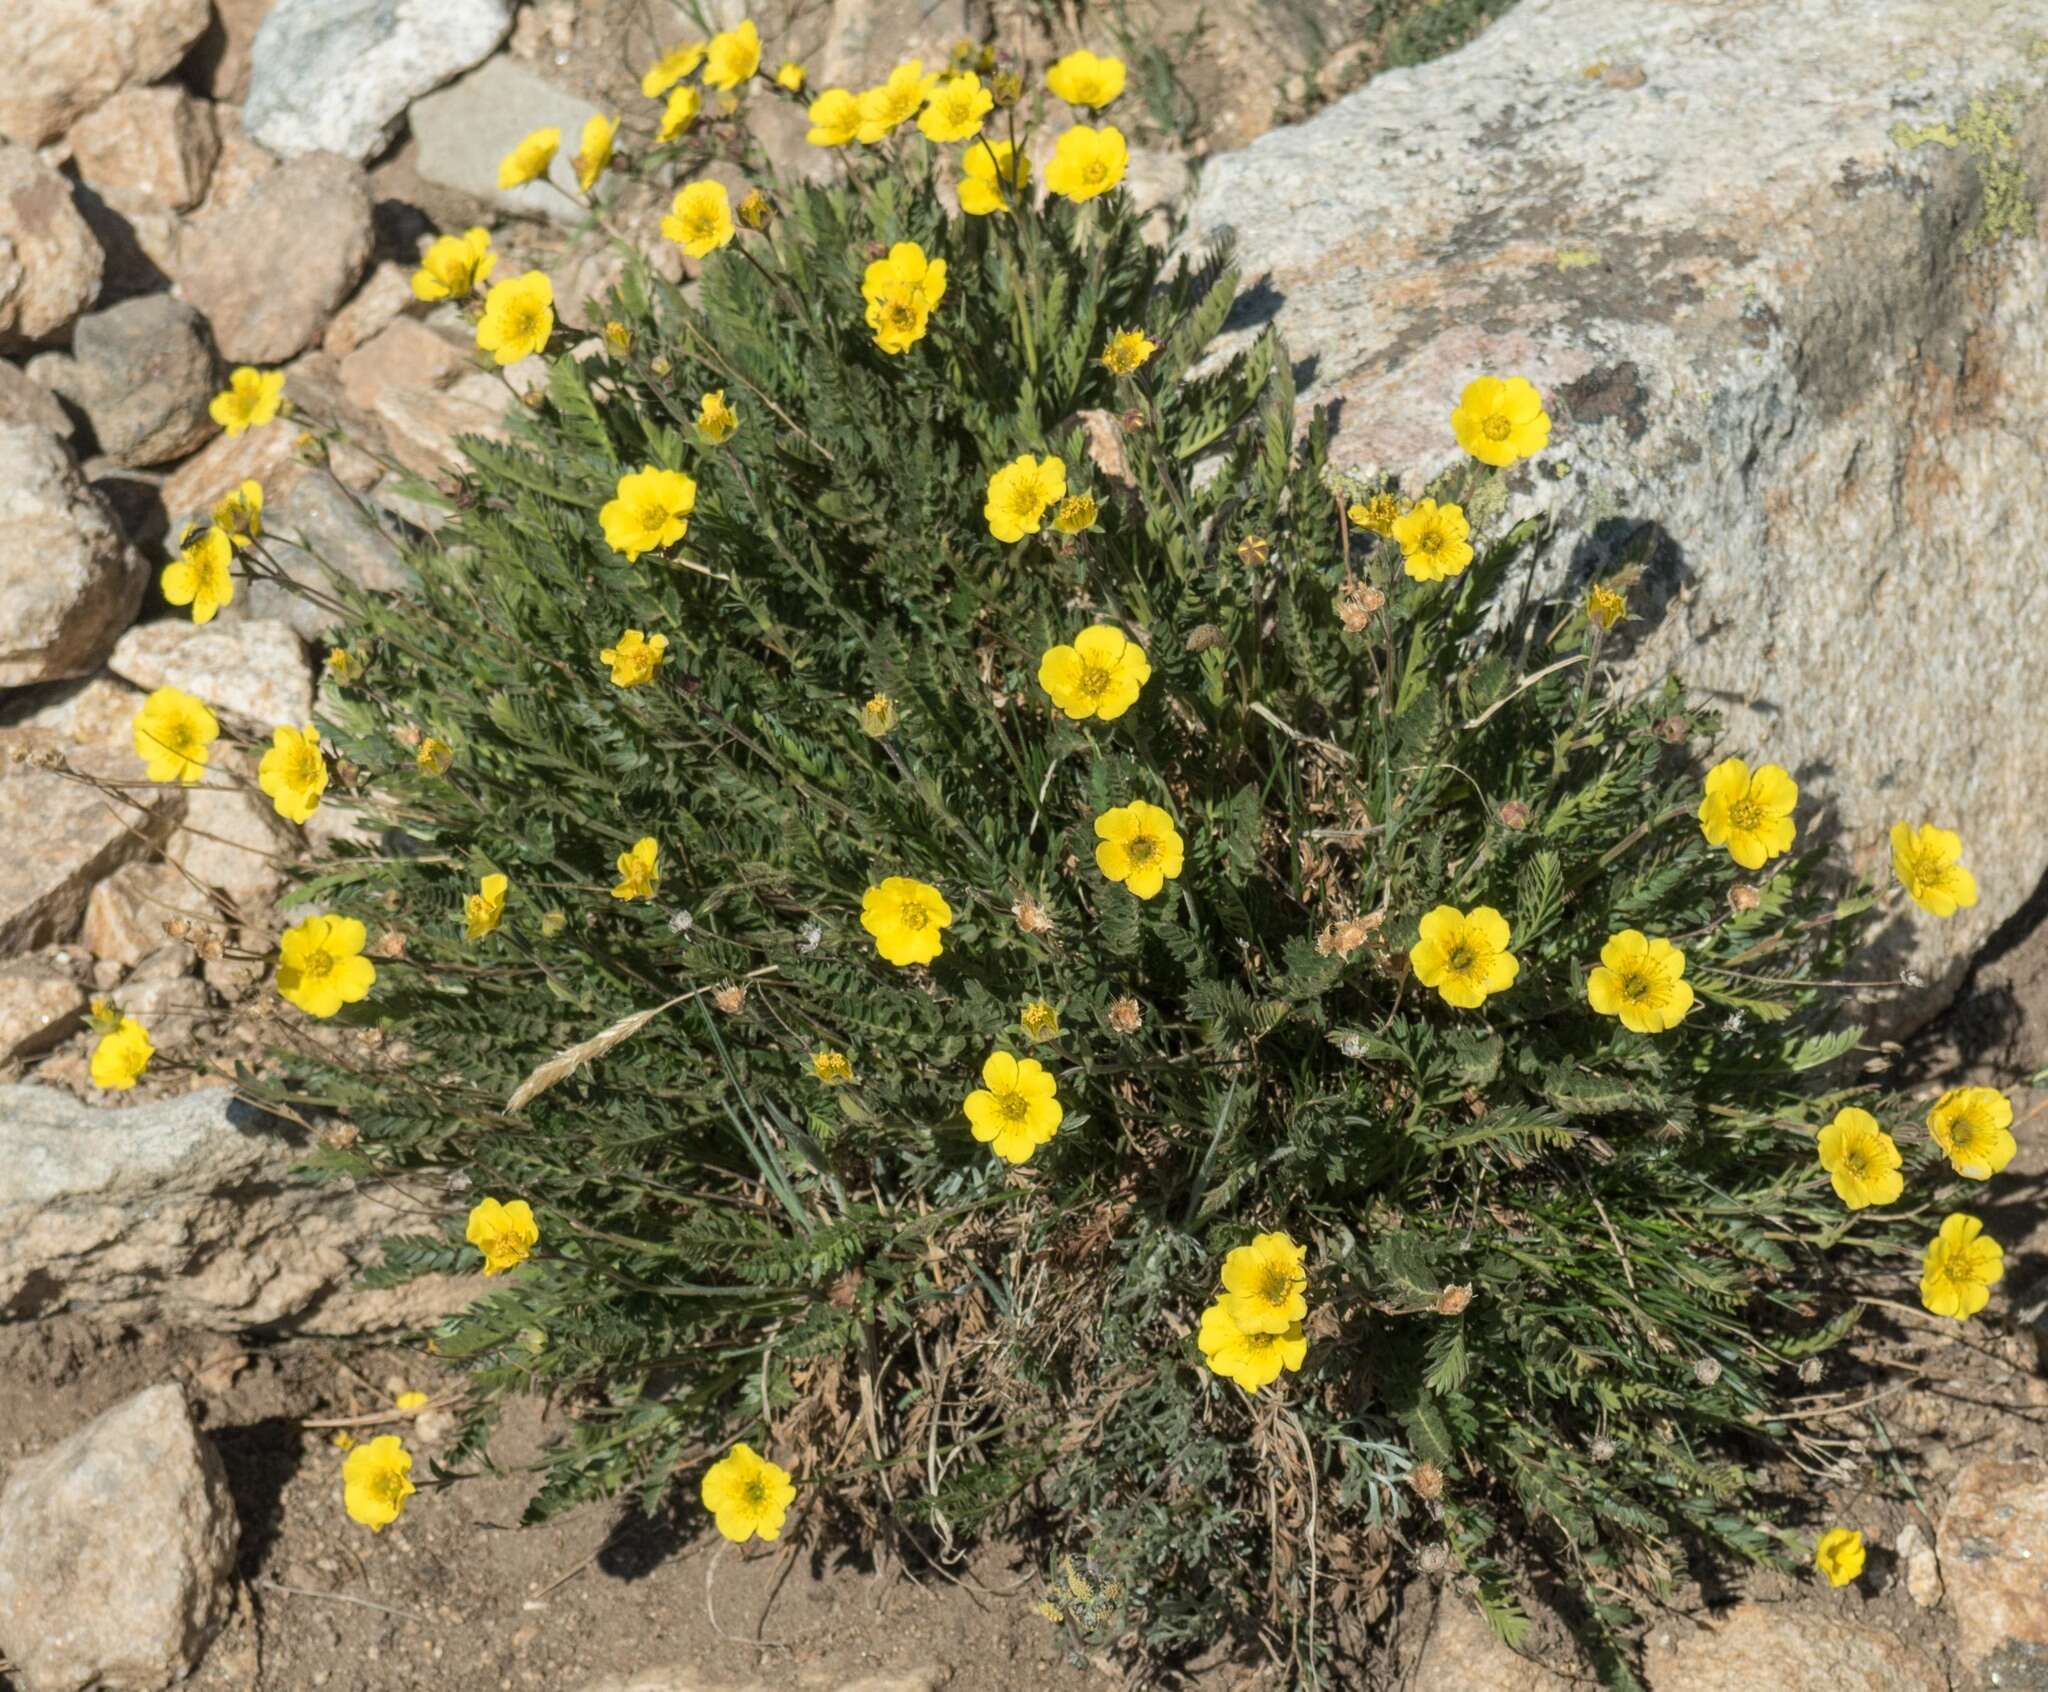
x=1776, y=266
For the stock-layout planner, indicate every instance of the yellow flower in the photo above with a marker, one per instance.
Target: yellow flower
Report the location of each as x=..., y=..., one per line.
x=596, y=150
x=1605, y=606
x=902, y=291
x=1379, y=514
x=519, y=316
x=530, y=158
x=1642, y=981
x=1928, y=862
x=894, y=102
x=1075, y=515
x=684, y=106
x=1751, y=815
x=1861, y=1159
x=121, y=1056
x=650, y=510
x=1498, y=422
x=835, y=118
x=344, y=1440
x=239, y=514
x=1265, y=1286
x=320, y=966
x=376, y=1480
x=1081, y=79
x=410, y=1401
x=294, y=772
x=344, y=666
x=1100, y=675
x=1138, y=845
x=1974, y=1126
x=994, y=172
x=878, y=716
x=639, y=871
x=172, y=733
x=1432, y=540
x=745, y=1493
x=733, y=56
x=1127, y=350
x=1087, y=162
x=485, y=908
x=250, y=399
x=670, y=69
x=202, y=574
x=1839, y=1555
x=716, y=420
x=505, y=1233
x=434, y=756
x=790, y=75
x=699, y=218
x=1019, y=493
x=635, y=659
x=1962, y=1264
x=831, y=1068
x=1014, y=1111
x=104, y=1014
x=454, y=265
x=905, y=916
x=1040, y=1020
x=1252, y=1360
x=1464, y=955
x=618, y=337
x=954, y=109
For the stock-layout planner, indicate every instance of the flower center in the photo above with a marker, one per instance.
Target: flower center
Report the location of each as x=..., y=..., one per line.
x=653, y=518
x=1745, y=814
x=912, y=915
x=1963, y=1134
x=1857, y=1163
x=900, y=314
x=1025, y=500
x=1275, y=1284
x=1012, y=1107
x=755, y=1492
x=1094, y=681
x=1432, y=540
x=318, y=965
x=1140, y=848
x=1636, y=987
x=1094, y=171
x=1495, y=428
x=1461, y=959
x=306, y=767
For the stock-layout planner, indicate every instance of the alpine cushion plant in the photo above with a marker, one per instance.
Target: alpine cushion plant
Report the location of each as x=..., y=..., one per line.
x=1379, y=963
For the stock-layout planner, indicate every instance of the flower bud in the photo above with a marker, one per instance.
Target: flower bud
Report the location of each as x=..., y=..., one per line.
x=878, y=716
x=1515, y=815
x=1126, y=1016
x=756, y=211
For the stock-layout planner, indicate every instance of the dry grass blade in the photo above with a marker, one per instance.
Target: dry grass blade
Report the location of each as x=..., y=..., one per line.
x=565, y=1063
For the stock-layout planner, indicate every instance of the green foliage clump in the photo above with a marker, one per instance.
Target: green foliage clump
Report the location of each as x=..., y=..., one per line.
x=1562, y=1276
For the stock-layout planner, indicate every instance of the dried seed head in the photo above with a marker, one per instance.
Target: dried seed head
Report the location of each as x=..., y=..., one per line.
x=1433, y=1559
x=1357, y=604
x=1706, y=1371
x=390, y=944
x=1515, y=815
x=681, y=923
x=340, y=1139
x=1601, y=1449
x=1454, y=1300
x=1031, y=917
x=1671, y=729
x=1744, y=897
x=1204, y=636
x=730, y=999
x=1810, y=1372
x=1341, y=939
x=1428, y=1481
x=1126, y=1016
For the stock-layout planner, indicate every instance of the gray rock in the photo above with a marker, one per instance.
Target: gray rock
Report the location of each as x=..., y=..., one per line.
x=65, y=56
x=269, y=267
x=254, y=671
x=39, y=1005
x=182, y=1212
x=464, y=130
x=1994, y=1563
x=1752, y=266
x=149, y=148
x=69, y=581
x=317, y=532
x=1786, y=1648
x=142, y=372
x=1922, y=1569
x=25, y=400
x=50, y=264
x=1463, y=1654
x=336, y=75
x=59, y=837
x=117, y=1551
x=126, y=913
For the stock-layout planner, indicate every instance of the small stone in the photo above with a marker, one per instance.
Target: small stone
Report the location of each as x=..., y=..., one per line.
x=1465, y=1655
x=1787, y=1648
x=251, y=669
x=402, y=354
x=25, y=400
x=69, y=580
x=219, y=65
x=234, y=842
x=421, y=424
x=148, y=147
x=262, y=455
x=1994, y=1564
x=117, y=1551
x=242, y=163
x=98, y=712
x=143, y=373
x=1915, y=1552
x=343, y=541
x=60, y=837
x=50, y=265
x=337, y=75
x=126, y=913
x=269, y=269
x=464, y=130
x=39, y=1005
x=65, y=56
x=387, y=294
